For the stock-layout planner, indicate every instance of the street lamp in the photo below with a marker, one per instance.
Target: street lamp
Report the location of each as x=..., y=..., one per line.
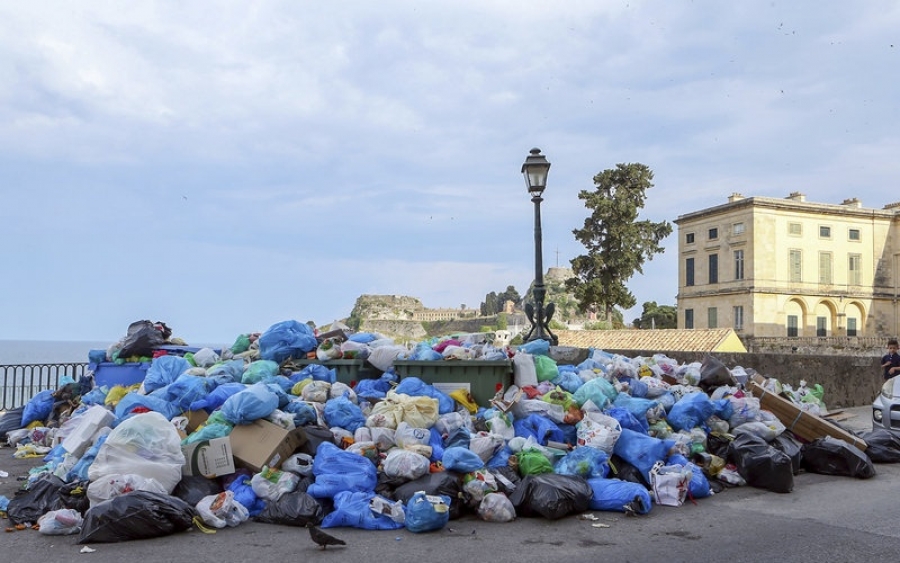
x=535, y=170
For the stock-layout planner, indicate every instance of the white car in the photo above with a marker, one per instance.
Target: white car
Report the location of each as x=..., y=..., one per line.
x=886, y=406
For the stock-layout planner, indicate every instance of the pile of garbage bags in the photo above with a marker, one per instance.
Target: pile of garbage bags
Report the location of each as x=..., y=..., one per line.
x=611, y=433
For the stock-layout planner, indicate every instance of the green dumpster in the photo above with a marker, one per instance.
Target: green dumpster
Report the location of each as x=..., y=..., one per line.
x=481, y=378
x=348, y=371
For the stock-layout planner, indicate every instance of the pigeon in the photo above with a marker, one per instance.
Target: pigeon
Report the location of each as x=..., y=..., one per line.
x=323, y=539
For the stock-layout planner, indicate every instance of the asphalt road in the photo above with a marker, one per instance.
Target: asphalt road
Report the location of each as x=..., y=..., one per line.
x=825, y=518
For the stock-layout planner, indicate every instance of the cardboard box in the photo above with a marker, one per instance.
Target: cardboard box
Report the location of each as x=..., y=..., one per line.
x=195, y=419
x=210, y=458
x=264, y=443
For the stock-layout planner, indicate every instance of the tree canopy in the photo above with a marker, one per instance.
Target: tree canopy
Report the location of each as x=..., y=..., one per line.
x=617, y=243
x=494, y=302
x=657, y=316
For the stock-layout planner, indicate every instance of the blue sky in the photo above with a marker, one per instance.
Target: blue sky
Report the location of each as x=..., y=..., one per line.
x=223, y=167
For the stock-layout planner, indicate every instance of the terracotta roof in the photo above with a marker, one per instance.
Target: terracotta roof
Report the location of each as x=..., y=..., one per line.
x=684, y=340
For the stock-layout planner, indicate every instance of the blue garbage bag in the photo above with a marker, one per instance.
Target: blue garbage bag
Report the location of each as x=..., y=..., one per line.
x=163, y=371
x=337, y=470
x=568, y=379
x=461, y=460
x=458, y=438
x=641, y=450
x=584, y=461
x=184, y=391
x=80, y=471
x=415, y=387
x=352, y=510
x=628, y=420
x=422, y=515
x=343, y=413
x=636, y=387
x=424, y=353
x=363, y=337
x=615, y=495
x=635, y=405
x=255, y=402
x=216, y=397
x=133, y=400
x=287, y=339
x=536, y=347
x=437, y=445
x=598, y=390
x=275, y=386
x=541, y=428
x=244, y=494
x=232, y=370
x=317, y=372
x=38, y=408
x=691, y=411
x=501, y=458
x=699, y=486
x=303, y=412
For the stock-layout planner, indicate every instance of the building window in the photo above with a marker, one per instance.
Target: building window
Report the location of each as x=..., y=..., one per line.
x=738, y=317
x=851, y=326
x=792, y=325
x=821, y=324
x=854, y=269
x=824, y=231
x=689, y=272
x=689, y=238
x=688, y=318
x=795, y=229
x=712, y=318
x=853, y=234
x=796, y=261
x=737, y=229
x=713, y=268
x=713, y=234
x=825, y=268
x=738, y=264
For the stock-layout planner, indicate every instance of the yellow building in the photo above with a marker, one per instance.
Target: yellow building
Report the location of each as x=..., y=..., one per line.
x=771, y=267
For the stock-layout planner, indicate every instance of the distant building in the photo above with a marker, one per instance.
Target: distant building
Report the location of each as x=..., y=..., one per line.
x=771, y=267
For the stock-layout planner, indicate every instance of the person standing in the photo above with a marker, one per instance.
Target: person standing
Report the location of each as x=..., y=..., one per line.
x=890, y=362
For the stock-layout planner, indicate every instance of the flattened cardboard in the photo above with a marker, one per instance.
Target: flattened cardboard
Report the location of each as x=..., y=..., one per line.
x=804, y=424
x=264, y=443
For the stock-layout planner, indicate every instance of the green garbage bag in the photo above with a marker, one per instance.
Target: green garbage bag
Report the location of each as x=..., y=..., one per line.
x=532, y=462
x=546, y=368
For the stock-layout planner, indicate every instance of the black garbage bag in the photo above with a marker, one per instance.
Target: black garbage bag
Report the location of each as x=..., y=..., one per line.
x=621, y=469
x=447, y=483
x=74, y=495
x=292, y=509
x=11, y=420
x=41, y=497
x=507, y=479
x=762, y=465
x=713, y=373
x=193, y=488
x=884, y=446
x=830, y=456
x=551, y=496
x=135, y=516
x=717, y=444
x=141, y=340
x=792, y=447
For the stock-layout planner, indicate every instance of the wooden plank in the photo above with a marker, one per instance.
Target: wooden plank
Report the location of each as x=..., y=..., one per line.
x=804, y=424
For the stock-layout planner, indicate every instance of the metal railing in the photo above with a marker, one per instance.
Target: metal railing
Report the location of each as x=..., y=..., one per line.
x=20, y=382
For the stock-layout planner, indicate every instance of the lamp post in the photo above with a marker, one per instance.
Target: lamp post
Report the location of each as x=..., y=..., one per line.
x=535, y=170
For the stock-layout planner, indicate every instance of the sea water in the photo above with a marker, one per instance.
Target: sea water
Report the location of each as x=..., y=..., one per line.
x=47, y=351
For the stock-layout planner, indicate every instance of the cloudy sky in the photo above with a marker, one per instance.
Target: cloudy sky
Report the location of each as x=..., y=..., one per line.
x=226, y=166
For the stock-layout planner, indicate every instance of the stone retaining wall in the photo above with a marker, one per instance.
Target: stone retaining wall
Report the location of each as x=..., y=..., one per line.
x=849, y=381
